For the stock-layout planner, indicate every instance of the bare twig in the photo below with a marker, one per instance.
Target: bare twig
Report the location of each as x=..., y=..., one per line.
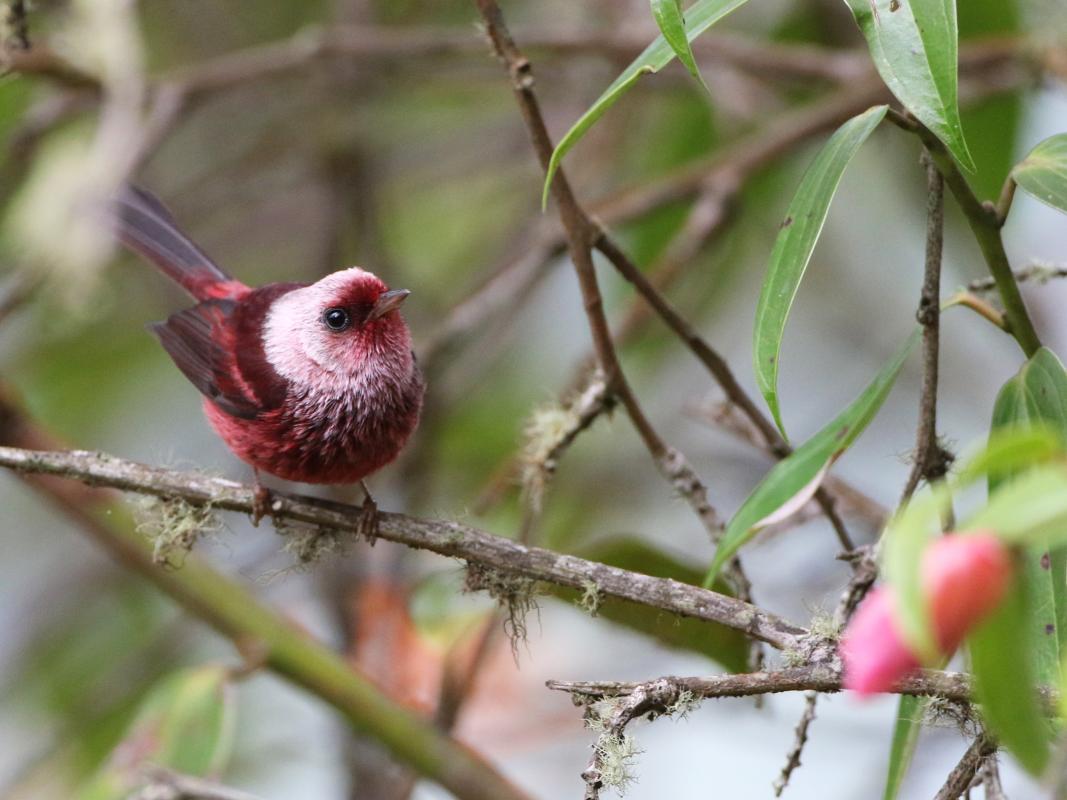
x=991, y=779
x=793, y=757
x=582, y=235
x=1035, y=273
x=445, y=538
x=825, y=678
x=931, y=460
x=985, y=225
x=959, y=780
x=165, y=784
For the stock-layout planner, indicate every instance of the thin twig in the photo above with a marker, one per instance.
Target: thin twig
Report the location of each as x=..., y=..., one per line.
x=793, y=756
x=717, y=366
x=931, y=460
x=582, y=235
x=825, y=678
x=979, y=307
x=165, y=784
x=443, y=537
x=959, y=780
x=1035, y=273
x=984, y=224
x=991, y=779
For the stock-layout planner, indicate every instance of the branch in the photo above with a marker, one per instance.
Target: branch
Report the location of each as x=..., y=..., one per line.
x=1037, y=273
x=800, y=738
x=955, y=686
x=582, y=236
x=985, y=225
x=238, y=615
x=164, y=784
x=716, y=365
x=931, y=460
x=445, y=538
x=962, y=776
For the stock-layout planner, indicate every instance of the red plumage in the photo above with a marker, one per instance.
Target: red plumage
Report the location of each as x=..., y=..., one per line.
x=313, y=383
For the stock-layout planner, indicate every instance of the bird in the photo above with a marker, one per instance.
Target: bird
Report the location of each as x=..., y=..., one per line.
x=315, y=383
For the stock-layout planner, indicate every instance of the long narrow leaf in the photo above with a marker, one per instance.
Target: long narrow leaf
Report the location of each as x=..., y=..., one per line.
x=914, y=46
x=1037, y=398
x=700, y=16
x=795, y=474
x=1004, y=682
x=671, y=22
x=905, y=737
x=795, y=243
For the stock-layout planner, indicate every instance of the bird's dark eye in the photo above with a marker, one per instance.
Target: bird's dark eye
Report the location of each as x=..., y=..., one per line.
x=336, y=319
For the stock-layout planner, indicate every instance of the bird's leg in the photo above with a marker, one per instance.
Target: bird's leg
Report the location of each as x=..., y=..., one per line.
x=368, y=517
x=261, y=500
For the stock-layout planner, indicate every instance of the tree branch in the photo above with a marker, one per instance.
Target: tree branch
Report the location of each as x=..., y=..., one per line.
x=826, y=678
x=445, y=538
x=985, y=225
x=962, y=776
x=582, y=236
x=931, y=460
x=238, y=615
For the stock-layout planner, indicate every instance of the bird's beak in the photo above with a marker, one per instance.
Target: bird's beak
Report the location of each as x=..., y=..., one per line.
x=387, y=301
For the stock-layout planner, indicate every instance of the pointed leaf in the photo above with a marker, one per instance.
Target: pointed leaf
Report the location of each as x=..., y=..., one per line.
x=1036, y=399
x=1005, y=685
x=793, y=248
x=1043, y=173
x=906, y=730
x=914, y=47
x=671, y=22
x=795, y=473
x=700, y=16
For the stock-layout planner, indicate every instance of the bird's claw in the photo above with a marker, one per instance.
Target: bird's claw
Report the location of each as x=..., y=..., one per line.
x=368, y=520
x=261, y=504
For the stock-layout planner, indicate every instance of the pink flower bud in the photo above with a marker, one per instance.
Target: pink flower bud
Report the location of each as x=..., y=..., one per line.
x=964, y=577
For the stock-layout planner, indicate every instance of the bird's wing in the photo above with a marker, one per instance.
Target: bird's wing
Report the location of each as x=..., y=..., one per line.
x=202, y=343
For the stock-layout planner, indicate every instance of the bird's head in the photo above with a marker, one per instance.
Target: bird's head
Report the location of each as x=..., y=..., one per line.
x=346, y=326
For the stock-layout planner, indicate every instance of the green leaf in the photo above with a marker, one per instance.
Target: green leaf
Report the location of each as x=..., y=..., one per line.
x=1036, y=399
x=185, y=725
x=701, y=16
x=1030, y=510
x=724, y=645
x=914, y=47
x=1043, y=173
x=671, y=22
x=795, y=243
x=1004, y=682
x=910, y=711
x=1009, y=450
x=795, y=474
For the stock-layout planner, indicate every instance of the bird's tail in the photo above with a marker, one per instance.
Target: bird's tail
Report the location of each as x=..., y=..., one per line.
x=145, y=226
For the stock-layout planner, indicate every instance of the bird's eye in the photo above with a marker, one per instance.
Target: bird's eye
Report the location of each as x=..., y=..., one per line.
x=336, y=319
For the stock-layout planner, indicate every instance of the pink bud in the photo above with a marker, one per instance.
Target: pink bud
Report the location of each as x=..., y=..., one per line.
x=964, y=577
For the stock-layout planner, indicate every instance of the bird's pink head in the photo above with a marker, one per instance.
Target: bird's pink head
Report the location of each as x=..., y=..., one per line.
x=344, y=328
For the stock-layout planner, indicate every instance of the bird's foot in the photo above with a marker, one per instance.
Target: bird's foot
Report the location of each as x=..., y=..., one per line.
x=368, y=517
x=262, y=501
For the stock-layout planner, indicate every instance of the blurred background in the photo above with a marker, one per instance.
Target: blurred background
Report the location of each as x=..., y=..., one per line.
x=397, y=146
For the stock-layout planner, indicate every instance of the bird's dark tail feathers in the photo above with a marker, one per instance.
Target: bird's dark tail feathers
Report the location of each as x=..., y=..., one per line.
x=145, y=226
